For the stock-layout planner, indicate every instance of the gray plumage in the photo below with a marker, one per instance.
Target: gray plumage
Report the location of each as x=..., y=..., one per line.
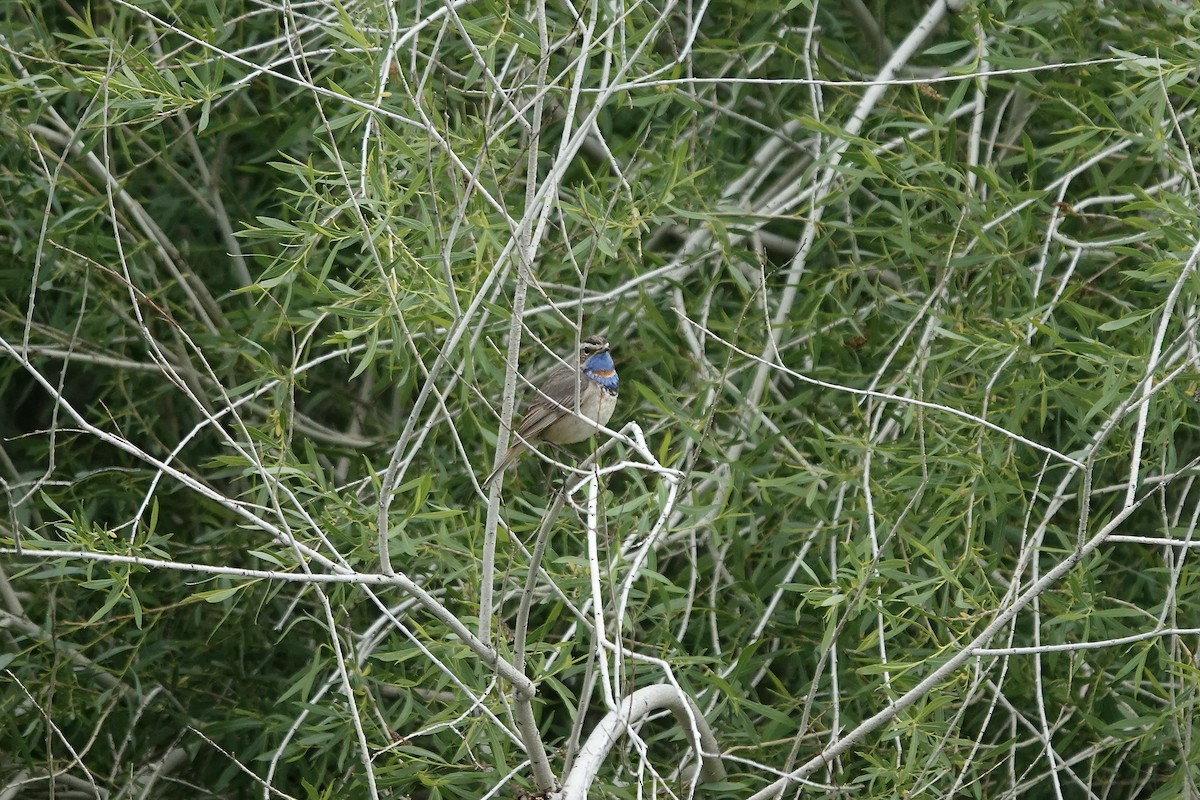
x=553, y=416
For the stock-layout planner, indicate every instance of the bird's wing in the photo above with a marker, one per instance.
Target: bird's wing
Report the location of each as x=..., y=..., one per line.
x=543, y=411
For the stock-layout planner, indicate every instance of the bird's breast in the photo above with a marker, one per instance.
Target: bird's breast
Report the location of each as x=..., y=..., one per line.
x=606, y=379
x=596, y=405
x=604, y=404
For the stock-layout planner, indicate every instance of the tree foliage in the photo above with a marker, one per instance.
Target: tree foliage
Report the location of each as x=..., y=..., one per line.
x=903, y=298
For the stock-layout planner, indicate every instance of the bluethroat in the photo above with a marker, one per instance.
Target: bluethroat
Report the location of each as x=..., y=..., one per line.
x=553, y=415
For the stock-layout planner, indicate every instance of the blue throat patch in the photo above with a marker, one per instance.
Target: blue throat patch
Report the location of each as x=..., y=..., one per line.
x=601, y=369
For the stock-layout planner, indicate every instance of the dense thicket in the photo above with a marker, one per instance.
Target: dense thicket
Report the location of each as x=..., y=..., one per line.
x=903, y=300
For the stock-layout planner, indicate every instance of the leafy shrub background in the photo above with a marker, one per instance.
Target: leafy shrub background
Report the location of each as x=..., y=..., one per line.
x=260, y=264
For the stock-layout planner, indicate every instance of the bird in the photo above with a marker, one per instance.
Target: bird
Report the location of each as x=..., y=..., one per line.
x=553, y=415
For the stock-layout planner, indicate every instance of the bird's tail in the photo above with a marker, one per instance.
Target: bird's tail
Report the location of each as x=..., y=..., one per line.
x=508, y=459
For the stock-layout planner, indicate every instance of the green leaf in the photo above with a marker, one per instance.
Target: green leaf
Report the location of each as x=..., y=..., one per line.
x=1130, y=319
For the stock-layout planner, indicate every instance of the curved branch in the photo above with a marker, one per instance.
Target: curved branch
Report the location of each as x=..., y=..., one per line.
x=635, y=708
